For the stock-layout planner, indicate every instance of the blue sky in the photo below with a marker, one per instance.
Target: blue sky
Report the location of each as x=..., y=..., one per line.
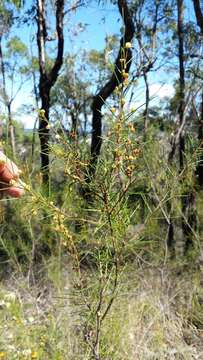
x=100, y=21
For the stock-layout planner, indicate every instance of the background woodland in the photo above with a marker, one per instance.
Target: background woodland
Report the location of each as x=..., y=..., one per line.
x=102, y=256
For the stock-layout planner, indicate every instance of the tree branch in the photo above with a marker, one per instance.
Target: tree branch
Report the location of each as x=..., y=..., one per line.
x=198, y=14
x=114, y=81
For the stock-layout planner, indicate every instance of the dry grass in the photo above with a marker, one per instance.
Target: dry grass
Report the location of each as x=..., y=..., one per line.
x=149, y=319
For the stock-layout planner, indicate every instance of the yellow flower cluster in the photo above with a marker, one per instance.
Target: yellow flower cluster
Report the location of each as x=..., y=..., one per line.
x=61, y=228
x=129, y=170
x=125, y=153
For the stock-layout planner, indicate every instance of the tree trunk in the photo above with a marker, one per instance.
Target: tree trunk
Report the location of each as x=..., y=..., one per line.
x=198, y=14
x=47, y=79
x=11, y=131
x=108, y=89
x=200, y=137
x=3, y=76
x=147, y=57
x=35, y=88
x=184, y=226
x=74, y=122
x=199, y=17
x=181, y=107
x=44, y=130
x=175, y=237
x=146, y=111
x=85, y=120
x=7, y=104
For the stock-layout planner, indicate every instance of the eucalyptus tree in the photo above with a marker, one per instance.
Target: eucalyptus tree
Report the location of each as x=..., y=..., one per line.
x=181, y=108
x=148, y=17
x=6, y=21
x=187, y=92
x=13, y=58
x=80, y=75
x=198, y=8
x=48, y=73
x=116, y=78
x=70, y=98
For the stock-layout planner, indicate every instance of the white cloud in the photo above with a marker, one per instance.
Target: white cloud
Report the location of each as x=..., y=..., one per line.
x=28, y=119
x=161, y=90
x=157, y=91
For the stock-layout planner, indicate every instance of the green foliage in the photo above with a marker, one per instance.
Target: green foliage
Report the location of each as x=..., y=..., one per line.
x=16, y=47
x=100, y=242
x=17, y=3
x=88, y=268
x=6, y=19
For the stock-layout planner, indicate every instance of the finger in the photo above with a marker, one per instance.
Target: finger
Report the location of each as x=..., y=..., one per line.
x=8, y=170
x=14, y=191
x=13, y=169
x=9, y=173
x=6, y=174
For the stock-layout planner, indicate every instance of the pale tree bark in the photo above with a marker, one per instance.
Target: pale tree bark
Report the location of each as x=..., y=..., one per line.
x=147, y=99
x=175, y=230
x=179, y=139
x=11, y=131
x=181, y=230
x=47, y=78
x=147, y=57
x=36, y=96
x=181, y=108
x=200, y=137
x=199, y=18
x=7, y=103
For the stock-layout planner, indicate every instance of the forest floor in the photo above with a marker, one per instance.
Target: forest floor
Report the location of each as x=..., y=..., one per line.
x=155, y=316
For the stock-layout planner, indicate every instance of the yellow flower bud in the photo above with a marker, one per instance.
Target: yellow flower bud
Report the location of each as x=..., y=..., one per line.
x=26, y=187
x=128, y=45
x=125, y=74
x=122, y=102
x=34, y=355
x=136, y=152
x=116, y=90
x=3, y=355
x=131, y=127
x=42, y=113
x=12, y=182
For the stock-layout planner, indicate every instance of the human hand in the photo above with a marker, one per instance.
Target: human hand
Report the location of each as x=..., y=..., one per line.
x=9, y=177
